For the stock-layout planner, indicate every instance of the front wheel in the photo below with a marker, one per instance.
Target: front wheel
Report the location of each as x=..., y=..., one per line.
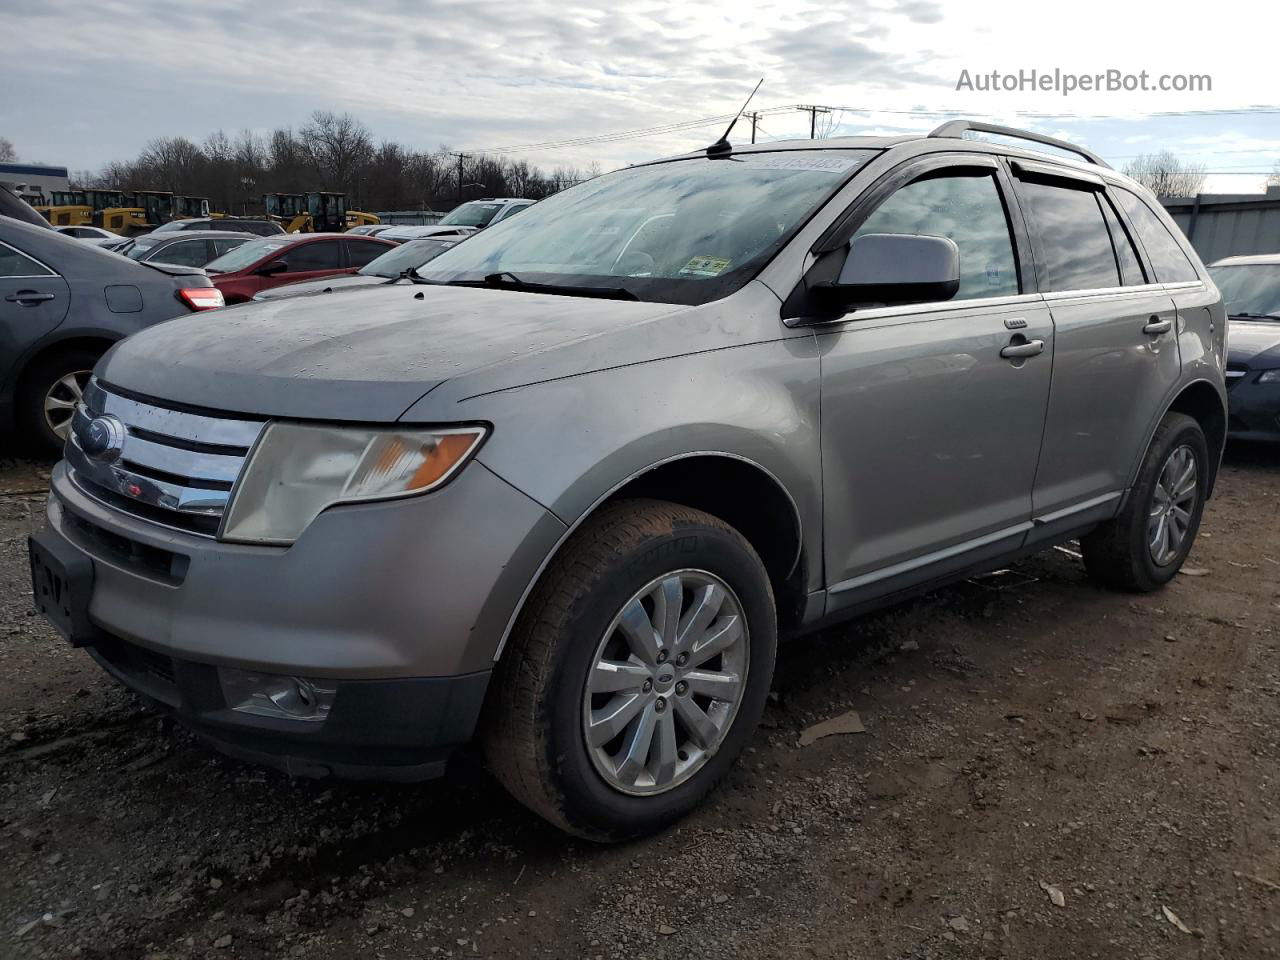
x=636, y=674
x=1143, y=548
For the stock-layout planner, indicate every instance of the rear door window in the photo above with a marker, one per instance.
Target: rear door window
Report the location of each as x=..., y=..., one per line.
x=185, y=253
x=966, y=208
x=1073, y=243
x=321, y=255
x=361, y=252
x=1167, y=259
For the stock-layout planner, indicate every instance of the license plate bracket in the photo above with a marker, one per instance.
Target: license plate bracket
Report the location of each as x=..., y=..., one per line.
x=61, y=586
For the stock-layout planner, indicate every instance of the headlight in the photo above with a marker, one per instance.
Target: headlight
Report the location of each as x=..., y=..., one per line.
x=297, y=470
x=1269, y=376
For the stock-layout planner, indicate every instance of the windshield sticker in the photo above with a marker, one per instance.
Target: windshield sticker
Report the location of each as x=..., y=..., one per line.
x=704, y=267
x=833, y=163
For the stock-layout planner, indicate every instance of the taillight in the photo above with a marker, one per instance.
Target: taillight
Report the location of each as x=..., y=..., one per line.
x=202, y=298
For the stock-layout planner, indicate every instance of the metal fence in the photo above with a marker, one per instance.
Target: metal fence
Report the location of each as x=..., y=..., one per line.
x=1226, y=225
x=410, y=218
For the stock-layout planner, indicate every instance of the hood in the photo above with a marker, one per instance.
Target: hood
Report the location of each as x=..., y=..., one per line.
x=365, y=357
x=1254, y=343
x=346, y=281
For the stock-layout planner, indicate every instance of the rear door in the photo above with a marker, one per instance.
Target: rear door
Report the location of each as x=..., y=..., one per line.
x=929, y=434
x=1116, y=347
x=363, y=251
x=33, y=301
x=310, y=261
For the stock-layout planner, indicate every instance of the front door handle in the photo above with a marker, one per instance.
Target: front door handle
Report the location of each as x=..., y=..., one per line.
x=1157, y=326
x=1016, y=351
x=28, y=297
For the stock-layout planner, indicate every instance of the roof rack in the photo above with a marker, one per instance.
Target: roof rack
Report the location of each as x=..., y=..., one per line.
x=957, y=128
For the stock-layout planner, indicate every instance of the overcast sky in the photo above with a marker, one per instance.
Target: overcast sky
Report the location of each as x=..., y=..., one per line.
x=90, y=81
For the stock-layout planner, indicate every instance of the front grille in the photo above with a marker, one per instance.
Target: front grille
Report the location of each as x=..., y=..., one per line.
x=175, y=466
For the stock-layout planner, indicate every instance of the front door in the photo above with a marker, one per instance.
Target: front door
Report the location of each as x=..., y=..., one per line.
x=931, y=426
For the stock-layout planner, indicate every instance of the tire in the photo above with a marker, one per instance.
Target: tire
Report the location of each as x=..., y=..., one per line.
x=47, y=379
x=1120, y=553
x=539, y=714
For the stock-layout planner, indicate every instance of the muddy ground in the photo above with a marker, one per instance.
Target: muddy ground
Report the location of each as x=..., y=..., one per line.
x=1048, y=771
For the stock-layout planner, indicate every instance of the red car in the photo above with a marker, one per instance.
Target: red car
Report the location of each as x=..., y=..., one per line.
x=273, y=261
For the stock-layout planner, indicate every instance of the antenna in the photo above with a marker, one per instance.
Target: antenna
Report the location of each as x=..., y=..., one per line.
x=722, y=146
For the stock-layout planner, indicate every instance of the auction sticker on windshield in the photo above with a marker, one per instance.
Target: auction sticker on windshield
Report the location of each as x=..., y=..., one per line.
x=828, y=164
x=704, y=267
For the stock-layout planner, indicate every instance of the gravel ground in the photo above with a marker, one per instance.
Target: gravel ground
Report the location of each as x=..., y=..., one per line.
x=1048, y=770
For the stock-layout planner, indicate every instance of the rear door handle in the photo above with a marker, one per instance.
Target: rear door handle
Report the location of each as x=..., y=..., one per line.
x=1157, y=326
x=1015, y=351
x=28, y=297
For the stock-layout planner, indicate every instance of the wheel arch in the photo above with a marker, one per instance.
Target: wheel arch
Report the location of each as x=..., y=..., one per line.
x=1201, y=401
x=52, y=348
x=733, y=488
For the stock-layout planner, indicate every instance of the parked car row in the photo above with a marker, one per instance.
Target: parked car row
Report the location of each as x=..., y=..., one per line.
x=574, y=475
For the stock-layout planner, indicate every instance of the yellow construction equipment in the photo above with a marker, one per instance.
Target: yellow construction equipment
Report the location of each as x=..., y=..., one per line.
x=67, y=208
x=138, y=212
x=315, y=212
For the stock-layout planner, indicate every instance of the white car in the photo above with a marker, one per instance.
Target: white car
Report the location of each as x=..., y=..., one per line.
x=96, y=234
x=463, y=220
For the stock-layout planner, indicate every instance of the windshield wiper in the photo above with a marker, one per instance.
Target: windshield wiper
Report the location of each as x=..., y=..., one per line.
x=1254, y=316
x=506, y=280
x=408, y=273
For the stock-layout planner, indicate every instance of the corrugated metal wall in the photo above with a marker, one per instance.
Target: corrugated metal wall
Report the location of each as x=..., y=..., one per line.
x=1220, y=230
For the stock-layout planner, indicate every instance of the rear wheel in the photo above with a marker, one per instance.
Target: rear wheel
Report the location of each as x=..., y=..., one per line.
x=1143, y=548
x=636, y=674
x=50, y=391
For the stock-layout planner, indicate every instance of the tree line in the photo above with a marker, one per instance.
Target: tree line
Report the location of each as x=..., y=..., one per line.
x=333, y=152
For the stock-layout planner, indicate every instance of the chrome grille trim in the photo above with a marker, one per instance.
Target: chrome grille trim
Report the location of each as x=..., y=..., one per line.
x=177, y=467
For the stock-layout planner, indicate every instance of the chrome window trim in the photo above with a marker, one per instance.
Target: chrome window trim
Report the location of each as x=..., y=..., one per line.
x=36, y=260
x=914, y=309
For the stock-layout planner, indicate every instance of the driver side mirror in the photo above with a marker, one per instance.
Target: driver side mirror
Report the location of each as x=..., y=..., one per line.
x=272, y=267
x=891, y=269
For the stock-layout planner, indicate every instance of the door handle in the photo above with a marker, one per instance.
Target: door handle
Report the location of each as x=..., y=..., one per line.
x=28, y=297
x=1157, y=326
x=1015, y=351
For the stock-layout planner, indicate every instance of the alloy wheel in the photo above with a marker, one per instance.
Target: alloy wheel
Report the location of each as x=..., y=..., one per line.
x=1172, y=504
x=61, y=399
x=665, y=682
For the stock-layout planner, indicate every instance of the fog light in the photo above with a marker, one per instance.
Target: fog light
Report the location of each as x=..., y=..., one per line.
x=272, y=695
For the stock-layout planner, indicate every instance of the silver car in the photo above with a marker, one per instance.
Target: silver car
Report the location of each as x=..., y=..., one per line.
x=565, y=490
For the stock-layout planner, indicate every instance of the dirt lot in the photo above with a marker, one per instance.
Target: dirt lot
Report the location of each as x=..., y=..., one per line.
x=1048, y=771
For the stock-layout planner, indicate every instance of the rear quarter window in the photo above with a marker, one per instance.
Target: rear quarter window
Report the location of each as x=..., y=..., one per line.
x=1165, y=253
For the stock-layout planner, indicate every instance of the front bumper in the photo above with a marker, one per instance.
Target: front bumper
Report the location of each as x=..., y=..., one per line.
x=399, y=604
x=1253, y=409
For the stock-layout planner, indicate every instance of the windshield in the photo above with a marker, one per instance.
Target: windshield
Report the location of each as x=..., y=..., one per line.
x=139, y=247
x=688, y=231
x=1249, y=288
x=245, y=254
x=473, y=214
x=412, y=254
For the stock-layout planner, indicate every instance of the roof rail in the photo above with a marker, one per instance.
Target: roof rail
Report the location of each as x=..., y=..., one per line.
x=957, y=128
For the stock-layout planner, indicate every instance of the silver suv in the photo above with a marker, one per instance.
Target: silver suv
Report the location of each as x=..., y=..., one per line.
x=563, y=488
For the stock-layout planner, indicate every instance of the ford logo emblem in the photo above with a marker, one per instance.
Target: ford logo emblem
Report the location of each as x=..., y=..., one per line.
x=103, y=439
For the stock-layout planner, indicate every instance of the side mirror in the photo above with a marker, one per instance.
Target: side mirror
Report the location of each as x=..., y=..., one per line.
x=892, y=268
x=272, y=267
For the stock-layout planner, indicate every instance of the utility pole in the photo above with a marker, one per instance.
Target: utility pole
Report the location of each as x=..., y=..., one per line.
x=461, y=157
x=813, y=118
x=755, y=117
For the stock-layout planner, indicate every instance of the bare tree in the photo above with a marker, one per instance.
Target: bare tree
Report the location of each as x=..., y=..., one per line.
x=336, y=146
x=169, y=163
x=1165, y=175
x=7, y=153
